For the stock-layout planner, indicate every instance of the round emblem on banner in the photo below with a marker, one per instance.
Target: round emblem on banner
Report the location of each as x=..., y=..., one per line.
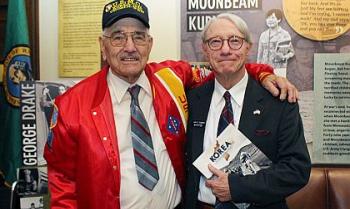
x=17, y=68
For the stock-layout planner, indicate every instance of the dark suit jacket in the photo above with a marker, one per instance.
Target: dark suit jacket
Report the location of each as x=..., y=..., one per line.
x=277, y=132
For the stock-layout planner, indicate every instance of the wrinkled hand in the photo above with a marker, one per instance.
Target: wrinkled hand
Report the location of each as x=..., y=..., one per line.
x=278, y=85
x=219, y=184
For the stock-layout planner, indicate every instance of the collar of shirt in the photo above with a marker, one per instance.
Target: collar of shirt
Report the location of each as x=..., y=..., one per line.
x=121, y=87
x=237, y=91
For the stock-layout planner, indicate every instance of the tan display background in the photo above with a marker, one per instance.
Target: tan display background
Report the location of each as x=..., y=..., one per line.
x=79, y=28
x=318, y=19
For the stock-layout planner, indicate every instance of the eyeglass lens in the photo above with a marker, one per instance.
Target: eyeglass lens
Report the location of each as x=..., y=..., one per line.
x=120, y=38
x=234, y=42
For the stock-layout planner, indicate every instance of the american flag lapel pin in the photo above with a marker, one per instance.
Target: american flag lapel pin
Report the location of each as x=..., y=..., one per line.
x=256, y=112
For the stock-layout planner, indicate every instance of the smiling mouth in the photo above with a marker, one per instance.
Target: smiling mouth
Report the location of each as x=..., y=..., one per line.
x=230, y=60
x=129, y=59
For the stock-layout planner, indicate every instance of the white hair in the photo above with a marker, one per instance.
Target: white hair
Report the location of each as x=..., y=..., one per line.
x=238, y=21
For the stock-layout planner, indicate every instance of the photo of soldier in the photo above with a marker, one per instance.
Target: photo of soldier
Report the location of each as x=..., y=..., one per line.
x=275, y=45
x=49, y=92
x=28, y=181
x=32, y=181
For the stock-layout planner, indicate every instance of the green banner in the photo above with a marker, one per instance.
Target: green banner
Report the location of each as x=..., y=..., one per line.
x=17, y=68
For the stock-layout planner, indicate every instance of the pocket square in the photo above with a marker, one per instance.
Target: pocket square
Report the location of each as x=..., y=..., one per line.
x=262, y=132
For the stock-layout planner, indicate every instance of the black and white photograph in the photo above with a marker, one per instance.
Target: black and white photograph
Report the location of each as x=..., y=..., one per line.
x=28, y=181
x=32, y=181
x=32, y=202
x=248, y=161
x=275, y=44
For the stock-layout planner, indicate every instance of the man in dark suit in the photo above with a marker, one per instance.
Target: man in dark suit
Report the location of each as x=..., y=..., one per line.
x=275, y=163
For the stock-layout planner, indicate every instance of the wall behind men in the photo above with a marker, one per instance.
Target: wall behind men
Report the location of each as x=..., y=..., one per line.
x=165, y=28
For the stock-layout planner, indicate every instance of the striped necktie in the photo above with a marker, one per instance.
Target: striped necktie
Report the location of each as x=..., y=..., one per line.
x=145, y=161
x=226, y=116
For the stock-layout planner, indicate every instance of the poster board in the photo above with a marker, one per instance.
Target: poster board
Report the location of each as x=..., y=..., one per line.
x=37, y=99
x=79, y=28
x=332, y=105
x=299, y=68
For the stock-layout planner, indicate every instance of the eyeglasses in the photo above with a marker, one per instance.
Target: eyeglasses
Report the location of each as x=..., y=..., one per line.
x=120, y=38
x=234, y=42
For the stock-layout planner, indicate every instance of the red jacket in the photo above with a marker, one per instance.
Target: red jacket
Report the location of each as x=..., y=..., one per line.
x=83, y=158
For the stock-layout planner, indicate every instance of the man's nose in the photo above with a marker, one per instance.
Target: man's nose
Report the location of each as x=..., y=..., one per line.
x=225, y=47
x=129, y=45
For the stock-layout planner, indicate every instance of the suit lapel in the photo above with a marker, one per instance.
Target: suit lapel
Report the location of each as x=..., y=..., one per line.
x=199, y=116
x=253, y=109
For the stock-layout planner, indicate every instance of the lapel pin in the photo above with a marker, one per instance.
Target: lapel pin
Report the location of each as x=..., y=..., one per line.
x=256, y=112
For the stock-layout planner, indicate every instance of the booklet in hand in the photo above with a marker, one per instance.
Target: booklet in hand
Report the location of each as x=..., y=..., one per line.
x=233, y=153
x=227, y=145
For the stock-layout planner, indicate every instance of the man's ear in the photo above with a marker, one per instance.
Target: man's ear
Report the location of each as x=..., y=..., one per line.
x=150, y=44
x=102, y=48
x=248, y=47
x=205, y=51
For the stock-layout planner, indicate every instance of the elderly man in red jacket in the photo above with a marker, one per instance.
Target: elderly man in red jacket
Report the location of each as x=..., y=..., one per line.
x=117, y=137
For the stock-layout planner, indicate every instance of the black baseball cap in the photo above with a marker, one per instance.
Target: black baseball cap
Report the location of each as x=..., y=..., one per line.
x=119, y=9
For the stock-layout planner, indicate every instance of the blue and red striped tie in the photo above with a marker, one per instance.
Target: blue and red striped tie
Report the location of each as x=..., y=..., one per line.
x=226, y=116
x=146, y=165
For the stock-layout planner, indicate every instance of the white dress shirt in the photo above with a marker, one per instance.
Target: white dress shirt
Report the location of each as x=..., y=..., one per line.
x=167, y=192
x=216, y=105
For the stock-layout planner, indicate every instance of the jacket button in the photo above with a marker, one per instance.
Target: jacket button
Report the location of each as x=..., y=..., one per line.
x=104, y=138
x=114, y=167
x=94, y=113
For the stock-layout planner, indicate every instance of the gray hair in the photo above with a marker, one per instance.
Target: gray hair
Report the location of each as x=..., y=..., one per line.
x=238, y=21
